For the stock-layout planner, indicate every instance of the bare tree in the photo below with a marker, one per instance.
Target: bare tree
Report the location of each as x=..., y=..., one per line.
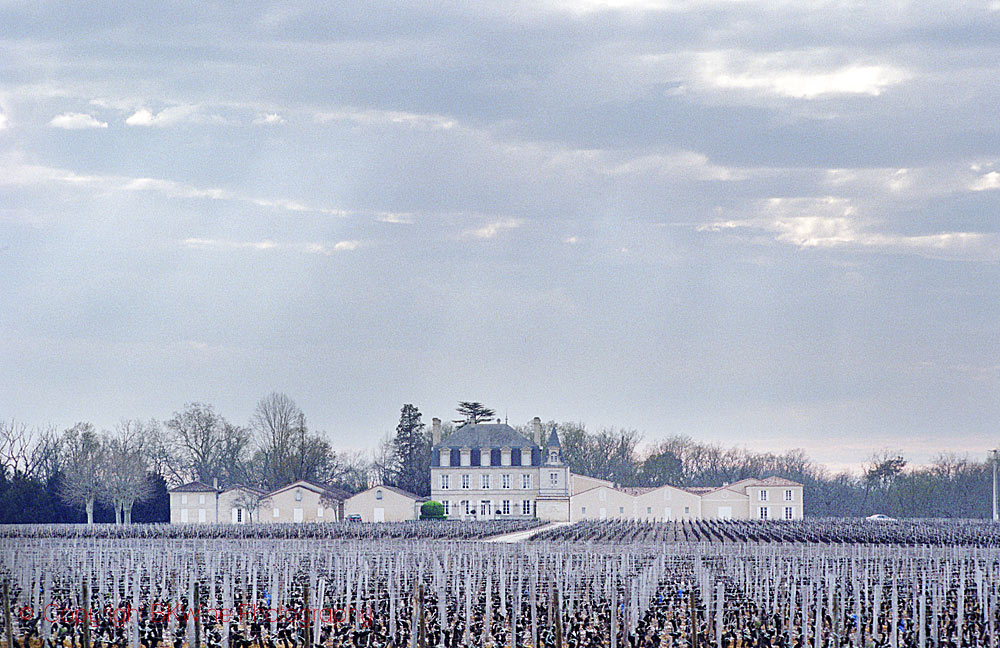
x=17, y=443
x=126, y=480
x=207, y=446
x=83, y=467
x=287, y=451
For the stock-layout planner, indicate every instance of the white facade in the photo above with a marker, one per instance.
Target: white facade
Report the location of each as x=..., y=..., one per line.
x=383, y=504
x=773, y=498
x=301, y=501
x=490, y=471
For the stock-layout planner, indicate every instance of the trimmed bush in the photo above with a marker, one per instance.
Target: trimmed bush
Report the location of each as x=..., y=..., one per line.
x=432, y=511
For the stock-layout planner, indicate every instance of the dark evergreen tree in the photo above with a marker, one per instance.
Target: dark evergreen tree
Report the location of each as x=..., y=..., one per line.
x=474, y=412
x=411, y=449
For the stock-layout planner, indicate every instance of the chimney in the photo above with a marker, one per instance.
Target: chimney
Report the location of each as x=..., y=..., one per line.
x=215, y=483
x=536, y=426
x=435, y=431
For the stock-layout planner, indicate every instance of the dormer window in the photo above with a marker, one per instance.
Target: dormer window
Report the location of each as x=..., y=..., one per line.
x=553, y=456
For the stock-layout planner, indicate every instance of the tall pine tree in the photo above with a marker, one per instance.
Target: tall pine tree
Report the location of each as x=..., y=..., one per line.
x=412, y=453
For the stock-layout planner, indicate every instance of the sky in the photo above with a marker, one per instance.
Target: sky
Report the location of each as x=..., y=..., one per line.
x=768, y=224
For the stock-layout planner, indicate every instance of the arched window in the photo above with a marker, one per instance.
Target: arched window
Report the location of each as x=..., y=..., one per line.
x=378, y=494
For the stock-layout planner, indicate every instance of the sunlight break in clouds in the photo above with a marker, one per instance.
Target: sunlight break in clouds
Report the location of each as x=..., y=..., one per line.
x=490, y=230
x=794, y=75
x=832, y=222
x=76, y=121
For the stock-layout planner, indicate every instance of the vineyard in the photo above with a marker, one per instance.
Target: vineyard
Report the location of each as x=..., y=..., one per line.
x=594, y=584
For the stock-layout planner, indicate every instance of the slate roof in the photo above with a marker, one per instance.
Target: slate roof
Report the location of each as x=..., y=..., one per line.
x=553, y=439
x=486, y=435
x=193, y=487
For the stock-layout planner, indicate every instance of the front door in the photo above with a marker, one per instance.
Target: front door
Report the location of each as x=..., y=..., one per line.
x=378, y=515
x=297, y=515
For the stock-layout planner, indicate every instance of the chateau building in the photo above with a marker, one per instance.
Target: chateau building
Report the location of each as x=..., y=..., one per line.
x=490, y=470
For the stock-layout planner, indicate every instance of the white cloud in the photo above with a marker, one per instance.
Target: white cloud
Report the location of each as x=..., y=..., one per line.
x=572, y=240
x=76, y=121
x=798, y=75
x=346, y=245
x=397, y=218
x=986, y=181
x=4, y=122
x=833, y=222
x=269, y=119
x=490, y=230
x=16, y=173
x=166, y=117
x=420, y=121
x=227, y=244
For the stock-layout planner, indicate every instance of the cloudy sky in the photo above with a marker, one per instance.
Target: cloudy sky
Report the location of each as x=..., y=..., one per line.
x=765, y=223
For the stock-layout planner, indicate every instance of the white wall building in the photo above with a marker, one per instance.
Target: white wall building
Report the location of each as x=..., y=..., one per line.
x=491, y=471
x=301, y=501
x=383, y=504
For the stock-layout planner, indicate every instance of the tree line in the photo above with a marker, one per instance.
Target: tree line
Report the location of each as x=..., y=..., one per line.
x=124, y=473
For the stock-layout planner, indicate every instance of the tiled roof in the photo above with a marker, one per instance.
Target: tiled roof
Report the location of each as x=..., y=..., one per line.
x=486, y=435
x=193, y=487
x=325, y=489
x=404, y=493
x=779, y=481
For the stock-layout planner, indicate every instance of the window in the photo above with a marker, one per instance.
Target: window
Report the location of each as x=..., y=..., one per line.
x=239, y=516
x=201, y=515
x=526, y=481
x=465, y=481
x=485, y=508
x=378, y=494
x=553, y=479
x=553, y=456
x=184, y=499
x=184, y=516
x=468, y=509
x=788, y=495
x=447, y=507
x=298, y=494
x=763, y=496
x=319, y=512
x=788, y=512
x=621, y=510
x=526, y=507
x=445, y=482
x=763, y=512
x=505, y=481
x=201, y=499
x=583, y=510
x=687, y=510
x=649, y=510
x=485, y=481
x=275, y=513
x=505, y=507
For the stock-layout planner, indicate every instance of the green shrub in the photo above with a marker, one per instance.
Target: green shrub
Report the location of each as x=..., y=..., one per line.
x=432, y=511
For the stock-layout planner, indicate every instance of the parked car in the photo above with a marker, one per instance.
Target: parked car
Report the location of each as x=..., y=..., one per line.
x=353, y=517
x=880, y=517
